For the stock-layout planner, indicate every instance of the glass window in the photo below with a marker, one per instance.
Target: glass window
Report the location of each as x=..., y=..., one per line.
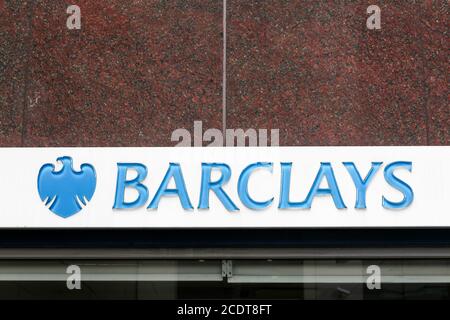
x=225, y=279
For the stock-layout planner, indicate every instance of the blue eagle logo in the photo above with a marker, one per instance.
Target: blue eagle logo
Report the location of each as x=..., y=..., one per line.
x=66, y=191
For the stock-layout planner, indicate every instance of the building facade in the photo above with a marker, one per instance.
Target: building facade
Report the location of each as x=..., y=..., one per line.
x=128, y=75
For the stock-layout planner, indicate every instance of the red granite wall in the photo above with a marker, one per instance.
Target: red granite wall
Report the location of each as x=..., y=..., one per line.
x=137, y=70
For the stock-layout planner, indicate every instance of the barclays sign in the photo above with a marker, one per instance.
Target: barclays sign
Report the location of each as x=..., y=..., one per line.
x=210, y=186
x=285, y=187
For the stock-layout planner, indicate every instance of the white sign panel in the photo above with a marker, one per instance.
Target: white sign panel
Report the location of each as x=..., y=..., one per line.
x=282, y=187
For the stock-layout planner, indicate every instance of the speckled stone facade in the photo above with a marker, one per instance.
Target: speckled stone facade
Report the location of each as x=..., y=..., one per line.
x=137, y=70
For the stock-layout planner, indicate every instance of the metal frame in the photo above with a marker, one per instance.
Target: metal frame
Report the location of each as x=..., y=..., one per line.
x=226, y=253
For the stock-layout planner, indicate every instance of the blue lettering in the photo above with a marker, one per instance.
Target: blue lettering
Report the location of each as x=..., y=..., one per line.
x=360, y=184
x=216, y=187
x=243, y=186
x=122, y=183
x=408, y=194
x=174, y=172
x=285, y=203
x=325, y=171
